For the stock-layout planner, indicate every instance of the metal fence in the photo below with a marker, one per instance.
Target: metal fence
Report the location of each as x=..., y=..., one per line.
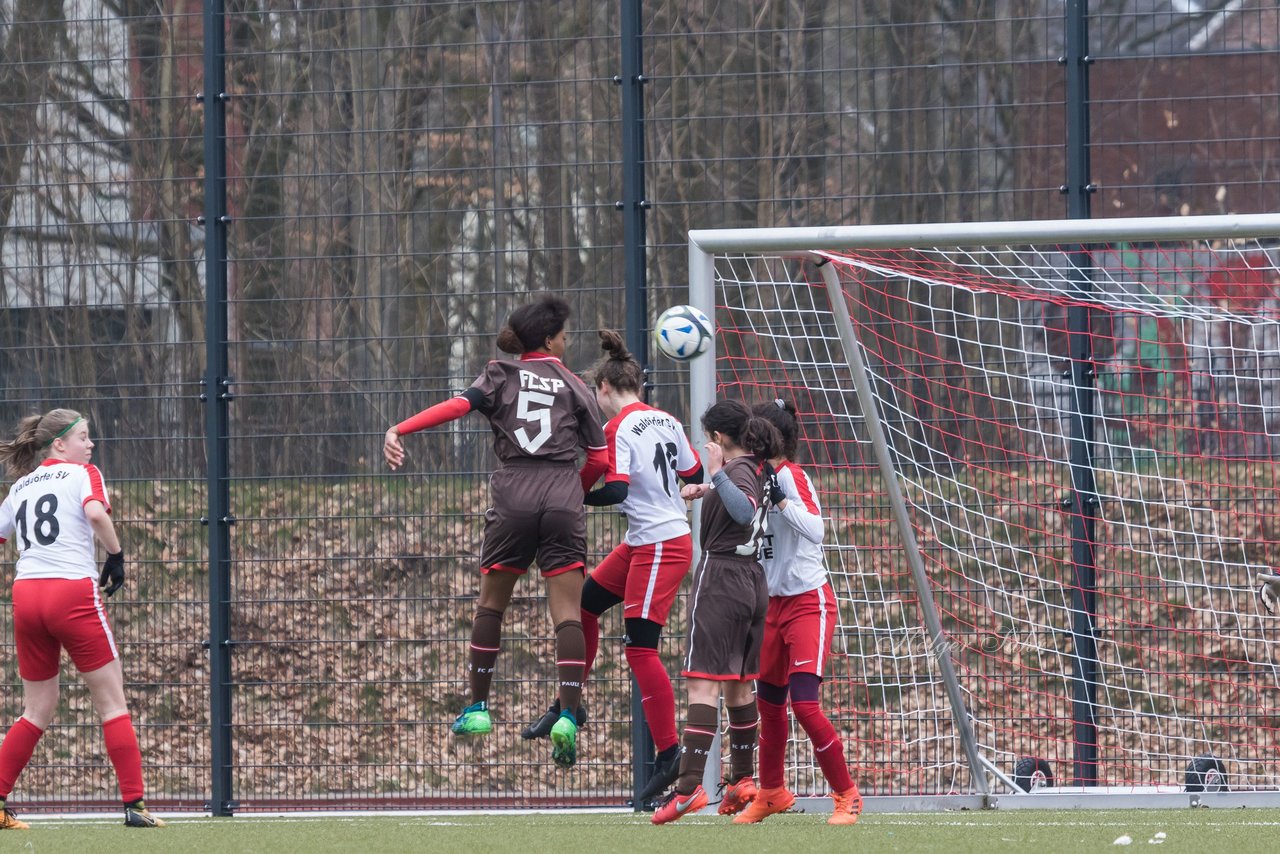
x=246, y=236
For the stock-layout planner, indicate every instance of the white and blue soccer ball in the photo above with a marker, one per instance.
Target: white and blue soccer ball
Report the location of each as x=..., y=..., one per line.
x=683, y=332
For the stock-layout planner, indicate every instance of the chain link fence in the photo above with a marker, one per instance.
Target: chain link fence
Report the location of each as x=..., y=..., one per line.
x=398, y=177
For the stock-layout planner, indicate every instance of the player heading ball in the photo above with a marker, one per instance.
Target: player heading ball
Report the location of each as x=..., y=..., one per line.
x=542, y=417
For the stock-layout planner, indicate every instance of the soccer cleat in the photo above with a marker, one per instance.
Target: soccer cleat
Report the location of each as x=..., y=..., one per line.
x=541, y=728
x=767, y=802
x=678, y=806
x=848, y=806
x=9, y=819
x=474, y=720
x=665, y=772
x=564, y=740
x=734, y=798
x=137, y=815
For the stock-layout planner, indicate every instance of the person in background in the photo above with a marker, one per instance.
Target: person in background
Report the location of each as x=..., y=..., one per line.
x=57, y=507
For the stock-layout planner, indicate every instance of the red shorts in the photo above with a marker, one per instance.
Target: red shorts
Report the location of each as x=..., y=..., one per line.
x=646, y=577
x=797, y=635
x=50, y=614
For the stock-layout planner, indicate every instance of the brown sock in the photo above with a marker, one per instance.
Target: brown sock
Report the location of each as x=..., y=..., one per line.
x=744, y=722
x=699, y=731
x=486, y=641
x=571, y=662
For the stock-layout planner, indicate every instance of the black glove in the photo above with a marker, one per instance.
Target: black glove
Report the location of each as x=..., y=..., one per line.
x=111, y=578
x=771, y=486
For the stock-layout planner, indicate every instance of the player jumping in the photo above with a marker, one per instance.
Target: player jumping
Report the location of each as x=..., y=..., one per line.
x=649, y=455
x=542, y=417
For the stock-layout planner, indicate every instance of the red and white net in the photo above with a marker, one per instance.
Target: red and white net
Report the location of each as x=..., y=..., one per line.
x=968, y=356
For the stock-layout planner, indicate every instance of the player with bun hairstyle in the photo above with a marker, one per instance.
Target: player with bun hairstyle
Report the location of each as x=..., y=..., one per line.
x=727, y=607
x=797, y=634
x=542, y=417
x=58, y=506
x=649, y=455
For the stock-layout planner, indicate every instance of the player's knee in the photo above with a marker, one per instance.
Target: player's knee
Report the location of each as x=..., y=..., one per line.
x=770, y=693
x=804, y=687
x=596, y=599
x=40, y=710
x=642, y=634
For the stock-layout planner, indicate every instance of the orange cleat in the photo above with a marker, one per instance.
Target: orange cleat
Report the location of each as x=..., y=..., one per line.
x=737, y=796
x=678, y=806
x=767, y=802
x=848, y=806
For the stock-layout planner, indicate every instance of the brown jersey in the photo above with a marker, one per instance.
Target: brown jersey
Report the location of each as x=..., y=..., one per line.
x=538, y=409
x=720, y=534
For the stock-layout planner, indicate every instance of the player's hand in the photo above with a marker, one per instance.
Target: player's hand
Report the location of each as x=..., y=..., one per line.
x=713, y=460
x=392, y=449
x=111, y=578
x=694, y=491
x=772, y=488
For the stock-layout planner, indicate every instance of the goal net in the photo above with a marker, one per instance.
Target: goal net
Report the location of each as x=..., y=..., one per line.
x=1082, y=426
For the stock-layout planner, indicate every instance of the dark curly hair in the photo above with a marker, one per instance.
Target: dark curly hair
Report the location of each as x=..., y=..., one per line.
x=530, y=325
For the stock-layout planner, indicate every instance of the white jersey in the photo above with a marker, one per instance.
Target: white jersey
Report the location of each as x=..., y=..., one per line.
x=791, y=553
x=648, y=450
x=46, y=511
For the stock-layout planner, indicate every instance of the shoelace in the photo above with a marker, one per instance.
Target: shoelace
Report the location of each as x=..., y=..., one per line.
x=666, y=799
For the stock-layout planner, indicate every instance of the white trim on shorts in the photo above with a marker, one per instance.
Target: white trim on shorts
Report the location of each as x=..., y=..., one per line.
x=102, y=618
x=653, y=580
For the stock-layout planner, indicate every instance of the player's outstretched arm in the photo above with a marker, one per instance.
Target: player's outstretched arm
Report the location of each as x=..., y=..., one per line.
x=393, y=449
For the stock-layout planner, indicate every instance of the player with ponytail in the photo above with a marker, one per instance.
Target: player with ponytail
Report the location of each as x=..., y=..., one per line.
x=797, y=635
x=543, y=417
x=57, y=507
x=649, y=455
x=727, y=607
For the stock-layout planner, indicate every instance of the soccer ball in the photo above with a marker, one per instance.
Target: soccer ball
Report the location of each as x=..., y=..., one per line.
x=683, y=332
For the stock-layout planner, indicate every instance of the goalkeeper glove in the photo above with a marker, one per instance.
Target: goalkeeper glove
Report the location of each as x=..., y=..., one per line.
x=1269, y=592
x=111, y=578
x=772, y=488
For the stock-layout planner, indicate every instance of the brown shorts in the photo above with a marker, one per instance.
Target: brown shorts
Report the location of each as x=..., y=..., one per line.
x=727, y=608
x=537, y=515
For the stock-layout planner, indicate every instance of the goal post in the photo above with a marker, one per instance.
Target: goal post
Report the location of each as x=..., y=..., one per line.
x=1049, y=457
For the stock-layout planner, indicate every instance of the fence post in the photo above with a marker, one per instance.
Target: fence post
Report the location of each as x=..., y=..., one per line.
x=633, y=206
x=1084, y=498
x=216, y=394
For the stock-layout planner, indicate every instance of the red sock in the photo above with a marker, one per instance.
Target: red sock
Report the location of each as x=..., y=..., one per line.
x=122, y=748
x=827, y=747
x=591, y=632
x=773, y=744
x=15, y=752
x=656, y=696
